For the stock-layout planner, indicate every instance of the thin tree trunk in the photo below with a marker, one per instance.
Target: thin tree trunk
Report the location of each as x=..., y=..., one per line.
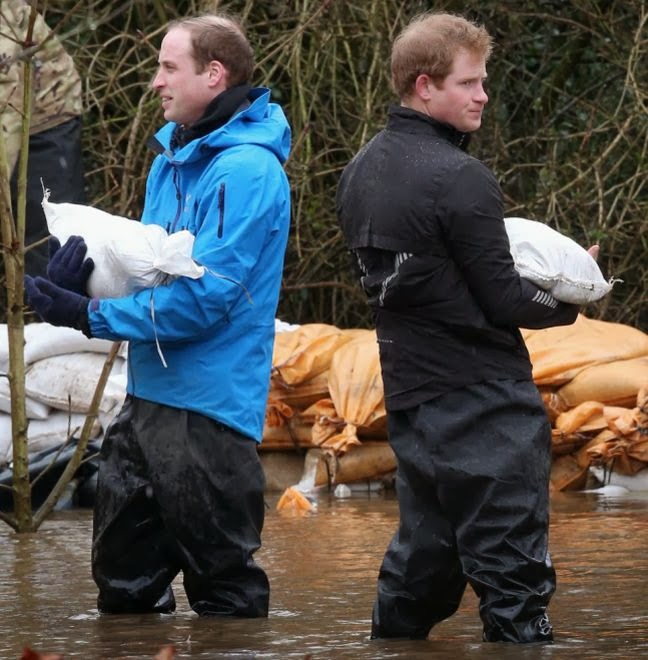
x=13, y=252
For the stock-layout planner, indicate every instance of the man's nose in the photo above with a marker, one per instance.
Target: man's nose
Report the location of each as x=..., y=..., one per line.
x=157, y=81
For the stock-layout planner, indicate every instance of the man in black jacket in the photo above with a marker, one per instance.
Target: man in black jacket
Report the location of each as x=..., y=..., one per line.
x=424, y=221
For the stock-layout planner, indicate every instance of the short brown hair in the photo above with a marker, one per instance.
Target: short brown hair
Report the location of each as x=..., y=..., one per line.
x=219, y=37
x=429, y=43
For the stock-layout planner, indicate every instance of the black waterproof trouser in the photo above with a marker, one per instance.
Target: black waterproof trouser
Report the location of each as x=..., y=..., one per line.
x=177, y=491
x=473, y=491
x=55, y=162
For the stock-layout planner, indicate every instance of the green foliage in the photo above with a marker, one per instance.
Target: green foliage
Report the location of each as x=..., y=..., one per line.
x=565, y=130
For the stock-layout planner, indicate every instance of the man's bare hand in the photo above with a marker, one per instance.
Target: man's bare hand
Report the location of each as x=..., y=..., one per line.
x=594, y=251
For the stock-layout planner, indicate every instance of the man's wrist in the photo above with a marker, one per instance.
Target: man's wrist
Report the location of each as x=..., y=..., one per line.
x=83, y=322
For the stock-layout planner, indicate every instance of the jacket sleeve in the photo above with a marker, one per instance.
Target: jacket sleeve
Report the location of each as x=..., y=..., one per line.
x=477, y=241
x=235, y=217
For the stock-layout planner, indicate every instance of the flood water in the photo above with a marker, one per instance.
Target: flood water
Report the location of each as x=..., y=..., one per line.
x=322, y=571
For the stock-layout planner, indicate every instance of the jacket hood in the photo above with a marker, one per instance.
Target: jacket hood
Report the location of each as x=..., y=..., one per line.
x=262, y=123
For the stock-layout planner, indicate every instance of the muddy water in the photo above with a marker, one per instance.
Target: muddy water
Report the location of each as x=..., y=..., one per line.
x=323, y=570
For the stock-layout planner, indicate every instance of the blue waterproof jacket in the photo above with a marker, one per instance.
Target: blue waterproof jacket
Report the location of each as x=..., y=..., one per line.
x=215, y=333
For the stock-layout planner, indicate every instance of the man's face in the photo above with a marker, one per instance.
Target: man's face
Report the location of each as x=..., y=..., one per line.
x=460, y=98
x=184, y=92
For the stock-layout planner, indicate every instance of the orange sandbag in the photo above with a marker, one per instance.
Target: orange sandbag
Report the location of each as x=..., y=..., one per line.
x=615, y=383
x=302, y=354
x=357, y=396
x=628, y=454
x=366, y=462
x=598, y=422
x=559, y=354
x=287, y=433
x=301, y=395
x=575, y=428
x=293, y=502
x=553, y=404
x=292, y=341
x=355, y=382
x=277, y=413
x=572, y=420
x=567, y=474
x=625, y=443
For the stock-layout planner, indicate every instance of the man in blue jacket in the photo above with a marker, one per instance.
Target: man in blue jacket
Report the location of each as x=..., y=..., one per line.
x=180, y=483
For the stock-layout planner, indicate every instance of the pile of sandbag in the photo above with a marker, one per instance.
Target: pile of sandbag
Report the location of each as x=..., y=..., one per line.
x=593, y=376
x=300, y=377
x=326, y=392
x=62, y=368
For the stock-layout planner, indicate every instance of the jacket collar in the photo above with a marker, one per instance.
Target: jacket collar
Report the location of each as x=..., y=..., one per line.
x=162, y=142
x=405, y=119
x=261, y=123
x=216, y=114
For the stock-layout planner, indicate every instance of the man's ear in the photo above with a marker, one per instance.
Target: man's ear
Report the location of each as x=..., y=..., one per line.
x=422, y=86
x=216, y=73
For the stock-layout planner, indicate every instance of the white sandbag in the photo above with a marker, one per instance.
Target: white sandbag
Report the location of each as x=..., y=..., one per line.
x=284, y=326
x=5, y=439
x=128, y=255
x=34, y=409
x=115, y=395
x=4, y=348
x=53, y=432
x=67, y=382
x=56, y=429
x=4, y=345
x=115, y=392
x=44, y=340
x=555, y=262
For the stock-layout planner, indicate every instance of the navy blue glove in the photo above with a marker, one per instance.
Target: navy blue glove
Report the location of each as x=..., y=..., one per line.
x=68, y=267
x=56, y=305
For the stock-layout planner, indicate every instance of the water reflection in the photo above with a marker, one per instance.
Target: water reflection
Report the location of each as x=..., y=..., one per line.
x=323, y=571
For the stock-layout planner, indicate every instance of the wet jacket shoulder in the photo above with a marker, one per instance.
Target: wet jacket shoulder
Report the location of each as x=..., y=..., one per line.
x=413, y=190
x=229, y=189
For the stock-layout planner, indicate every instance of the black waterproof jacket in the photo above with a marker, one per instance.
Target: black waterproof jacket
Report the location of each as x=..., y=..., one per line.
x=424, y=221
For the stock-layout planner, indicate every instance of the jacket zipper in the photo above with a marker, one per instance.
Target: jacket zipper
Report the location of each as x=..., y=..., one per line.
x=221, y=209
x=172, y=226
